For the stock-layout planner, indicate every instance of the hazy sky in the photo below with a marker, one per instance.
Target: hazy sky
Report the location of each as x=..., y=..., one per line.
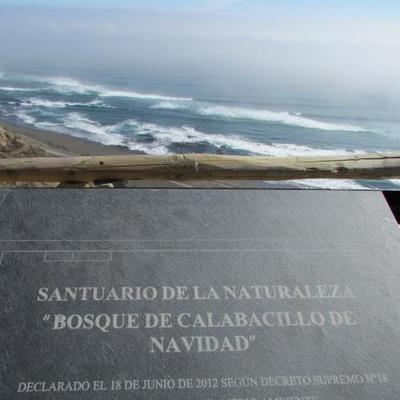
x=349, y=46
x=364, y=6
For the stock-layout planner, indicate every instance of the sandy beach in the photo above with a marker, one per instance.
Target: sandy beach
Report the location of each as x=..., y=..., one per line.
x=22, y=142
x=17, y=142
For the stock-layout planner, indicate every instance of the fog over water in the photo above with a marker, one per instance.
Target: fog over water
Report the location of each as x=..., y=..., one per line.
x=301, y=54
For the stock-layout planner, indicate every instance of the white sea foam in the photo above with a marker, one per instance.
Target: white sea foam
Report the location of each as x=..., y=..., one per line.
x=33, y=102
x=334, y=184
x=395, y=182
x=164, y=136
x=46, y=125
x=28, y=119
x=106, y=134
x=172, y=105
x=37, y=102
x=25, y=117
x=120, y=93
x=280, y=117
x=96, y=132
x=68, y=85
x=63, y=85
x=17, y=89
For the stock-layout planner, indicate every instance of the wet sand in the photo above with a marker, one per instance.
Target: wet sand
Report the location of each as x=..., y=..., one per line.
x=57, y=144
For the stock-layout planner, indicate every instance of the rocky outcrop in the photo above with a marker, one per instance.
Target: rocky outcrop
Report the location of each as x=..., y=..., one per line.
x=13, y=146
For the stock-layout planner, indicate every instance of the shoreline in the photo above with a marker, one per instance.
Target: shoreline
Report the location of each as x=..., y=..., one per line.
x=56, y=144
x=18, y=141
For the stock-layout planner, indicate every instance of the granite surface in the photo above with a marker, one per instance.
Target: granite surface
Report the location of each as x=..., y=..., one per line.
x=198, y=294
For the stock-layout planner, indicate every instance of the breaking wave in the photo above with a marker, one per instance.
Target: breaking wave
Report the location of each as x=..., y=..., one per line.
x=63, y=85
x=395, y=182
x=99, y=133
x=172, y=105
x=156, y=139
x=119, y=93
x=334, y=184
x=67, y=85
x=149, y=123
x=37, y=102
x=165, y=136
x=280, y=117
x=25, y=117
x=283, y=117
x=18, y=89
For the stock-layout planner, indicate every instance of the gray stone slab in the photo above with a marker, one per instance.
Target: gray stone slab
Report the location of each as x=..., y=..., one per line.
x=198, y=294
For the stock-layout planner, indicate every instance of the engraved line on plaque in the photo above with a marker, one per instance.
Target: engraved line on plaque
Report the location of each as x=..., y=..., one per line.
x=77, y=256
x=57, y=256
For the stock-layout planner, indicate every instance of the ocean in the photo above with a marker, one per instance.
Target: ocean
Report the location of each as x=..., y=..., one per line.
x=181, y=115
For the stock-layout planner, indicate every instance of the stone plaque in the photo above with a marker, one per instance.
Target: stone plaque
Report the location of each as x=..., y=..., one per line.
x=198, y=294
